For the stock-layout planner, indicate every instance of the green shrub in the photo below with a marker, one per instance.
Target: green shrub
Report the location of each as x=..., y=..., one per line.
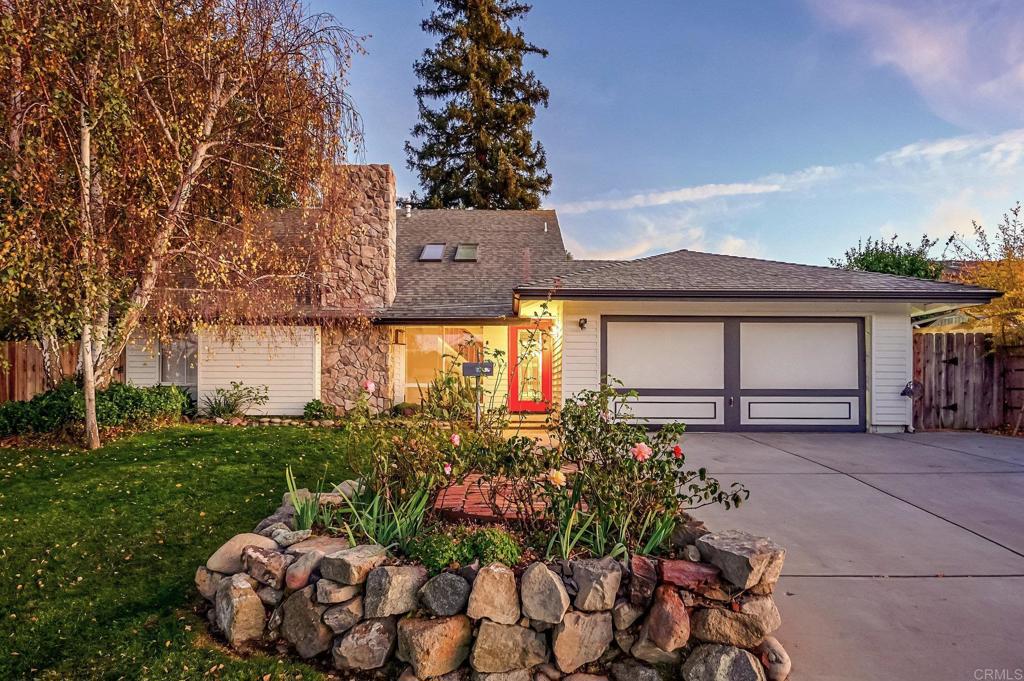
x=234, y=401
x=117, y=405
x=317, y=410
x=495, y=545
x=438, y=550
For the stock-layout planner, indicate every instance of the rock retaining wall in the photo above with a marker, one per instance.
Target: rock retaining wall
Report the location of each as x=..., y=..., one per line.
x=359, y=609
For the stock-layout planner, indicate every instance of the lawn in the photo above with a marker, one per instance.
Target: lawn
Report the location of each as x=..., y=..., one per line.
x=98, y=550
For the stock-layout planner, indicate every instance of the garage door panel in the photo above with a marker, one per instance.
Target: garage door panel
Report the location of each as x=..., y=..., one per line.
x=683, y=355
x=799, y=411
x=799, y=355
x=668, y=409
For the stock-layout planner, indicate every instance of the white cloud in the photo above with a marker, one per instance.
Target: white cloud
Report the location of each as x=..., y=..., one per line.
x=963, y=58
x=702, y=192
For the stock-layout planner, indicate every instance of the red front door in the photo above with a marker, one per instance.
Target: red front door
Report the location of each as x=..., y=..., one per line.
x=529, y=377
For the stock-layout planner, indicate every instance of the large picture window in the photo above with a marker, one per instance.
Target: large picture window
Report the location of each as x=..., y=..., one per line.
x=433, y=350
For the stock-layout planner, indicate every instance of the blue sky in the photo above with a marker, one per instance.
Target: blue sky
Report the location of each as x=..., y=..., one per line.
x=777, y=129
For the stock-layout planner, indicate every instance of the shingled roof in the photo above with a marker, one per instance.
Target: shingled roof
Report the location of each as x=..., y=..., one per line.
x=688, y=274
x=514, y=247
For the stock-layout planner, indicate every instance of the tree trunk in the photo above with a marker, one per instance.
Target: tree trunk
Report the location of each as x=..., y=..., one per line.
x=92, y=430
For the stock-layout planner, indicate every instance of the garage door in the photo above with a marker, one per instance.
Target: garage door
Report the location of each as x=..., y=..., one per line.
x=740, y=373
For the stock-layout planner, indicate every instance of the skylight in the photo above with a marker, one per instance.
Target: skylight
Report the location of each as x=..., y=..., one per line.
x=465, y=253
x=432, y=252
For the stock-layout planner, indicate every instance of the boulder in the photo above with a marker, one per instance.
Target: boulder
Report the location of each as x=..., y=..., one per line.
x=367, y=645
x=647, y=650
x=302, y=624
x=352, y=566
x=495, y=597
x=445, y=594
x=392, y=590
x=722, y=663
x=756, y=618
x=325, y=545
x=299, y=572
x=774, y=659
x=270, y=529
x=689, y=575
x=634, y=670
x=270, y=597
x=207, y=582
x=504, y=648
x=348, y=488
x=581, y=637
x=745, y=559
x=286, y=537
x=228, y=558
x=330, y=592
x=691, y=553
x=597, y=582
x=266, y=566
x=543, y=594
x=580, y=676
x=688, y=533
x=643, y=580
x=625, y=638
x=342, y=617
x=668, y=625
x=625, y=613
x=239, y=611
x=549, y=671
x=435, y=647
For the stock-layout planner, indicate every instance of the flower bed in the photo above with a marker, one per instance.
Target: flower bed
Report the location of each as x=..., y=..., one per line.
x=359, y=608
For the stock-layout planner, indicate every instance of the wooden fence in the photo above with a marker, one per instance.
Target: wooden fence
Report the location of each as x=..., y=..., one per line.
x=21, y=369
x=967, y=383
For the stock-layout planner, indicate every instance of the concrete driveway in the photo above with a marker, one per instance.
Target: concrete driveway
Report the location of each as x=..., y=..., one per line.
x=905, y=552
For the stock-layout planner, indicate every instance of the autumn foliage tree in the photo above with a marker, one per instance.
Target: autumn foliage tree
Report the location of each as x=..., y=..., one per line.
x=143, y=141
x=995, y=259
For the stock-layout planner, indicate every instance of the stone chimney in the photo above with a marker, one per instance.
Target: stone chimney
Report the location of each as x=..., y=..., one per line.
x=360, y=278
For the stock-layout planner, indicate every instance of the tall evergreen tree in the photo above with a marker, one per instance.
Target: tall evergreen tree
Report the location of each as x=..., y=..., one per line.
x=477, y=105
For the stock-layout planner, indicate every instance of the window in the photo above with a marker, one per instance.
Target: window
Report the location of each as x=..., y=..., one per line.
x=433, y=350
x=179, y=362
x=432, y=252
x=465, y=253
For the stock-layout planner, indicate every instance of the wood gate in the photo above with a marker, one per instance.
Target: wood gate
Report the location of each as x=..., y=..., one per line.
x=968, y=384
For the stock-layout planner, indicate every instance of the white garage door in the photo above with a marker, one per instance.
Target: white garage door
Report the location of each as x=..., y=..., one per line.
x=740, y=373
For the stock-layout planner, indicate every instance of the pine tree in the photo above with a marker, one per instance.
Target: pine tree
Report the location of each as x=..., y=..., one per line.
x=476, y=147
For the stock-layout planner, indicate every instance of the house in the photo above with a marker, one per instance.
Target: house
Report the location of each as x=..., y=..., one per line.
x=720, y=342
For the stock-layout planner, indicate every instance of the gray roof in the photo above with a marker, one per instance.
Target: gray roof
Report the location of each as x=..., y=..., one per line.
x=514, y=247
x=691, y=274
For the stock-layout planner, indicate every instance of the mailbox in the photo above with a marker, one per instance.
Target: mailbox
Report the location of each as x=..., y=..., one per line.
x=477, y=369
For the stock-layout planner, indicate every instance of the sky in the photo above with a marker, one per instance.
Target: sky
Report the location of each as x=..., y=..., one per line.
x=776, y=129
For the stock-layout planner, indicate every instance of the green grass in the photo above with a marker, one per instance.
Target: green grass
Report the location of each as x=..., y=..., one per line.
x=98, y=549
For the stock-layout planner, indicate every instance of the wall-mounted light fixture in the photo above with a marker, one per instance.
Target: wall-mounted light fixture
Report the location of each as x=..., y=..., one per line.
x=583, y=323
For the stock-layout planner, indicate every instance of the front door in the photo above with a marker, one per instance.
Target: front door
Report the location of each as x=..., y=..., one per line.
x=529, y=376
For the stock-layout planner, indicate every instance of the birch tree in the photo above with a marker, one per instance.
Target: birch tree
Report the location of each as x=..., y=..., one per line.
x=144, y=141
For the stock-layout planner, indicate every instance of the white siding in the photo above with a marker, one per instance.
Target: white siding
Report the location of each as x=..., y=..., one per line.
x=892, y=365
x=285, y=359
x=140, y=363
x=581, y=353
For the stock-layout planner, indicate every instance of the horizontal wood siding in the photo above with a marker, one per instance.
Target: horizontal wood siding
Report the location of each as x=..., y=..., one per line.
x=285, y=359
x=580, y=355
x=891, y=368
x=141, y=367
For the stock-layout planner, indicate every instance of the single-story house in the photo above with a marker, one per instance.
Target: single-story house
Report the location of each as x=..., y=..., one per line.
x=721, y=342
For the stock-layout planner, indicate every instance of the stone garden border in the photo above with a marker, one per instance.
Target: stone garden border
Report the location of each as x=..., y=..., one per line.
x=707, y=617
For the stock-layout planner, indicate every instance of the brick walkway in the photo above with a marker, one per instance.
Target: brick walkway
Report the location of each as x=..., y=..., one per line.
x=468, y=501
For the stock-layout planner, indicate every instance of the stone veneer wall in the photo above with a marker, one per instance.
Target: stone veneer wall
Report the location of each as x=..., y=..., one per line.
x=706, y=618
x=350, y=356
x=359, y=281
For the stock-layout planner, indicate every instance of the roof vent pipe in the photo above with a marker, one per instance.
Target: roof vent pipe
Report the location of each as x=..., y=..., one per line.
x=408, y=210
x=545, y=227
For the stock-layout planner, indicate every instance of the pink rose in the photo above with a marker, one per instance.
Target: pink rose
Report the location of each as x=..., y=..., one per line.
x=447, y=469
x=455, y=439
x=640, y=451
x=369, y=386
